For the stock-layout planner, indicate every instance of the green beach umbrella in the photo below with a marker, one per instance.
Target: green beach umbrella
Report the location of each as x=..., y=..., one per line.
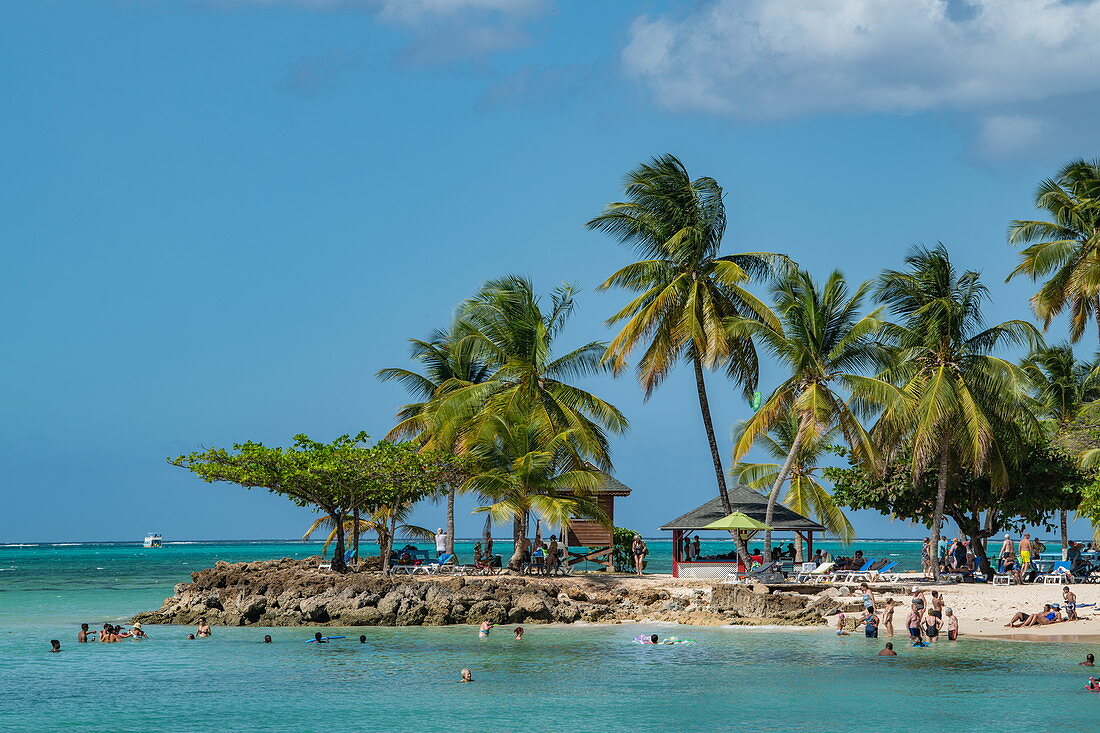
x=737, y=520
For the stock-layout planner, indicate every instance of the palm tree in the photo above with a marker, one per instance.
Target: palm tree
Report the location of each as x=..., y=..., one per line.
x=506, y=323
x=957, y=400
x=805, y=494
x=527, y=469
x=686, y=289
x=376, y=523
x=824, y=343
x=1065, y=248
x=1065, y=390
x=450, y=360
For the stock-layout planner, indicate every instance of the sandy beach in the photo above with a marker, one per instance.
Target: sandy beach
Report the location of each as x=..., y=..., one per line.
x=983, y=609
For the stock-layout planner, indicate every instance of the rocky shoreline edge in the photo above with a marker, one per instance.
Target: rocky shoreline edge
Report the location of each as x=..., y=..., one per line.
x=290, y=592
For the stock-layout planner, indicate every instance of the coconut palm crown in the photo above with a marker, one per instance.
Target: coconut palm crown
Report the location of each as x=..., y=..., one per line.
x=1064, y=249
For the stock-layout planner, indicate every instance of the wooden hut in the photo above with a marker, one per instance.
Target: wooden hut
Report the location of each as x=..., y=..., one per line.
x=588, y=541
x=742, y=499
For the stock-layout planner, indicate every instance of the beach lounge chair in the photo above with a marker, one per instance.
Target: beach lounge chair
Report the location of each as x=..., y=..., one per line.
x=441, y=564
x=1060, y=573
x=815, y=575
x=876, y=574
x=846, y=576
x=765, y=573
x=1004, y=579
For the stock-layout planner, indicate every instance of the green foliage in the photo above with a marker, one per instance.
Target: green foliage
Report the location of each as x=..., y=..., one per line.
x=823, y=342
x=685, y=289
x=1044, y=481
x=340, y=478
x=621, y=555
x=1064, y=249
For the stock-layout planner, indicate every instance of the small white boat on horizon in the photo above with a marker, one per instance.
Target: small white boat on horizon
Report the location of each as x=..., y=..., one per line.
x=153, y=540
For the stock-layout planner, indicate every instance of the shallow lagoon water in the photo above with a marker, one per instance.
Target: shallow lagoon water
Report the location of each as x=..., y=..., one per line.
x=583, y=678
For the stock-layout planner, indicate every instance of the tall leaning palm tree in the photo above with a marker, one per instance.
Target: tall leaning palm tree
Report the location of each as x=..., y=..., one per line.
x=449, y=360
x=957, y=398
x=1065, y=247
x=804, y=494
x=686, y=289
x=827, y=346
x=1065, y=390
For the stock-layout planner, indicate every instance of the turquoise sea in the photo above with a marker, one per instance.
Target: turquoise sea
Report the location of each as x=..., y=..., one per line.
x=573, y=678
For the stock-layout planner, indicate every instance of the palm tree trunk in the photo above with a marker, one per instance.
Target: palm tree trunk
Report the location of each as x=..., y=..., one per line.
x=1064, y=520
x=451, y=518
x=519, y=532
x=355, y=534
x=799, y=549
x=937, y=516
x=487, y=534
x=704, y=408
x=773, y=495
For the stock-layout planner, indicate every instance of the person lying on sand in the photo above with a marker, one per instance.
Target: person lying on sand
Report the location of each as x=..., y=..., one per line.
x=1022, y=619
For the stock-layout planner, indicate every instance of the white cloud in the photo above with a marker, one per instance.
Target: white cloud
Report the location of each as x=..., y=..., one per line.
x=788, y=58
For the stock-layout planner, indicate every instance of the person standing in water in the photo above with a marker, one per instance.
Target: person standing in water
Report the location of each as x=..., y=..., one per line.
x=1090, y=661
x=484, y=629
x=888, y=617
x=55, y=645
x=267, y=638
x=952, y=622
x=467, y=676
x=888, y=651
x=203, y=628
x=82, y=635
x=639, y=550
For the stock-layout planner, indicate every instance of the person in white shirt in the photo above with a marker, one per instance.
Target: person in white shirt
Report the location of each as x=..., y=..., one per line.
x=440, y=542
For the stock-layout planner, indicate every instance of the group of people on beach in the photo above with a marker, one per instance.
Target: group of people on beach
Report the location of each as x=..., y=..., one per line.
x=928, y=618
x=1052, y=613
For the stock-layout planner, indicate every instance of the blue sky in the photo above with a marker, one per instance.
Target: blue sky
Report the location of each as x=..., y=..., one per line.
x=220, y=218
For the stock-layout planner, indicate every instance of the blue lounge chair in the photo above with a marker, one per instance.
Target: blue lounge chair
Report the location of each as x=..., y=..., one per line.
x=434, y=567
x=846, y=576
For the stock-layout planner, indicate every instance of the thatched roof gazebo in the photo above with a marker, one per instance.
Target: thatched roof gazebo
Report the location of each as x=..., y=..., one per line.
x=742, y=499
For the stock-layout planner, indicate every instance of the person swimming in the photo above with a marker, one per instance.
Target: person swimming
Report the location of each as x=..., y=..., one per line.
x=362, y=639
x=190, y=637
x=55, y=644
x=267, y=638
x=467, y=676
x=888, y=651
x=1092, y=686
x=484, y=629
x=1090, y=661
x=518, y=633
x=318, y=639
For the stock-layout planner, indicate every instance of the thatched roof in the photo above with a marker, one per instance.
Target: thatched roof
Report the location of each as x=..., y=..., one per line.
x=751, y=503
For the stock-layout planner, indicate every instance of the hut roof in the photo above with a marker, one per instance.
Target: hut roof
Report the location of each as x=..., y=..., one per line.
x=744, y=499
x=612, y=486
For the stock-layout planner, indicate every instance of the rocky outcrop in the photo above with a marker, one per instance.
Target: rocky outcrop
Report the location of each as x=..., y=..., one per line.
x=294, y=593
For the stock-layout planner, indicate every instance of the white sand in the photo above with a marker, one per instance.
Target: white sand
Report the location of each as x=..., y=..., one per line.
x=984, y=609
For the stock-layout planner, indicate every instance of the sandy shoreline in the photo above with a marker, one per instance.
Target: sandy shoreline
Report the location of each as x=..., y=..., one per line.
x=984, y=609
